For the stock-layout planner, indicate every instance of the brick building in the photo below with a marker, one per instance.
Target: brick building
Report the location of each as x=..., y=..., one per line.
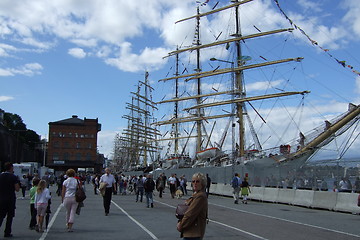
x=73, y=144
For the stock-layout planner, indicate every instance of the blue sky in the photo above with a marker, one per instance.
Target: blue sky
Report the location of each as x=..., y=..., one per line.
x=83, y=57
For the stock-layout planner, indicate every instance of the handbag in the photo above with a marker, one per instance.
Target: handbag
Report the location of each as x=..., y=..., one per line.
x=181, y=210
x=80, y=195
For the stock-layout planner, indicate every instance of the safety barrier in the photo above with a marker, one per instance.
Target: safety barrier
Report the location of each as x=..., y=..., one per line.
x=286, y=195
x=257, y=193
x=303, y=198
x=270, y=194
x=325, y=200
x=347, y=202
x=344, y=202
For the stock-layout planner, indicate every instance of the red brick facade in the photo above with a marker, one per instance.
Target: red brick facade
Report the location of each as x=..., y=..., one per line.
x=73, y=144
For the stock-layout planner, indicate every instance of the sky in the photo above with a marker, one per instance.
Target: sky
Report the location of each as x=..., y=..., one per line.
x=83, y=57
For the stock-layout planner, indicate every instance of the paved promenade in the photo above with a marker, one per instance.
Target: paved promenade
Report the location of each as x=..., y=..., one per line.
x=132, y=220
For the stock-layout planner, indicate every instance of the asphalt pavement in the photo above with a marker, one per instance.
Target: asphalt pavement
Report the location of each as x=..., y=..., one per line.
x=133, y=220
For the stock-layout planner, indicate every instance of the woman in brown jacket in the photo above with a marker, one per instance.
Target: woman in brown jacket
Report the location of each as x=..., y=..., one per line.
x=193, y=224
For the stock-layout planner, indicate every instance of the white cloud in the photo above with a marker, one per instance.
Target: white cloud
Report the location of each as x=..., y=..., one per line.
x=256, y=86
x=5, y=72
x=310, y=5
x=106, y=142
x=29, y=69
x=352, y=17
x=357, y=85
x=77, y=52
x=6, y=98
x=148, y=59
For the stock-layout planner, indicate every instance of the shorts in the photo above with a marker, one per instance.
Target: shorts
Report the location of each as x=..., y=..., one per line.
x=41, y=209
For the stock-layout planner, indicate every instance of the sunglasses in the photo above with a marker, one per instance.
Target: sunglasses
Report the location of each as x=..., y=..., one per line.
x=195, y=181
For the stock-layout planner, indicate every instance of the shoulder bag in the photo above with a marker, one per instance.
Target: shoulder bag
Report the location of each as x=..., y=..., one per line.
x=80, y=195
x=181, y=210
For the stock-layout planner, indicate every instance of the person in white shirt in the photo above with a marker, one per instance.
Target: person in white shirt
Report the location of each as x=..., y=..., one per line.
x=172, y=185
x=109, y=179
x=42, y=197
x=68, y=197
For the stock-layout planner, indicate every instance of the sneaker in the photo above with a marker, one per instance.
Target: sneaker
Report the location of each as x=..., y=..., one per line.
x=8, y=235
x=152, y=205
x=37, y=228
x=236, y=202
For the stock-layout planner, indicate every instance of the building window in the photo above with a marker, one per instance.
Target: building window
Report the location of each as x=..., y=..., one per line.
x=55, y=157
x=66, y=156
x=89, y=146
x=88, y=157
x=56, y=145
x=76, y=135
x=82, y=135
x=78, y=145
x=66, y=144
x=70, y=134
x=78, y=156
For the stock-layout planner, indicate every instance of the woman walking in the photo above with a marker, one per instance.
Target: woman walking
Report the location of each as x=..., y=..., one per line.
x=42, y=197
x=68, y=197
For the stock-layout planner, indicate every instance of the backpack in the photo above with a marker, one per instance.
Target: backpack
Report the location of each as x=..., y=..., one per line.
x=235, y=182
x=149, y=185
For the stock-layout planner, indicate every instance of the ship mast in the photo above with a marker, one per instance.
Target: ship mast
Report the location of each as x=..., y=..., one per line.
x=176, y=107
x=239, y=86
x=139, y=137
x=198, y=99
x=237, y=92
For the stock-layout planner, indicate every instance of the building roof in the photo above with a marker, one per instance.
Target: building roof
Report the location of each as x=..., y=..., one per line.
x=74, y=120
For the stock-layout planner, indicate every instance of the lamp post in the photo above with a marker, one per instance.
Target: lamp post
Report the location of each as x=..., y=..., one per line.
x=232, y=112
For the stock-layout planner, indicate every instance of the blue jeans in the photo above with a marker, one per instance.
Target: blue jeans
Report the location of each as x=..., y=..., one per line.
x=139, y=190
x=149, y=198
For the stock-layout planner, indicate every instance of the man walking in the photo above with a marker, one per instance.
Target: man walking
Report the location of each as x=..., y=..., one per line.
x=140, y=188
x=160, y=184
x=109, y=180
x=149, y=187
x=235, y=183
x=208, y=184
x=9, y=183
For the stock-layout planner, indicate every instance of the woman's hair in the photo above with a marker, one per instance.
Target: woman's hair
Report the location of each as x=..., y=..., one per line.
x=41, y=186
x=70, y=172
x=202, y=179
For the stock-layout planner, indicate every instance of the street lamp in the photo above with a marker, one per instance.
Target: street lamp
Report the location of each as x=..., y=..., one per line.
x=219, y=60
x=232, y=111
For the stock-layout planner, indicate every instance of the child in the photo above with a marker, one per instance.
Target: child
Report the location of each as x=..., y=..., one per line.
x=245, y=190
x=42, y=197
x=35, y=183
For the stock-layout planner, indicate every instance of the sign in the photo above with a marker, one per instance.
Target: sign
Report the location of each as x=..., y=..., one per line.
x=59, y=162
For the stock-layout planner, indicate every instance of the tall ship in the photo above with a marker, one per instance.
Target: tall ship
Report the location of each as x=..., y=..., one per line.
x=136, y=146
x=219, y=118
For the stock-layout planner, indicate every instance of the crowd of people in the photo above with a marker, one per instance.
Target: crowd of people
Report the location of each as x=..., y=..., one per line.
x=107, y=185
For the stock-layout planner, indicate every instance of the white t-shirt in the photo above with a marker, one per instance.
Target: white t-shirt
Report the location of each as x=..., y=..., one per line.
x=109, y=179
x=43, y=197
x=71, y=185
